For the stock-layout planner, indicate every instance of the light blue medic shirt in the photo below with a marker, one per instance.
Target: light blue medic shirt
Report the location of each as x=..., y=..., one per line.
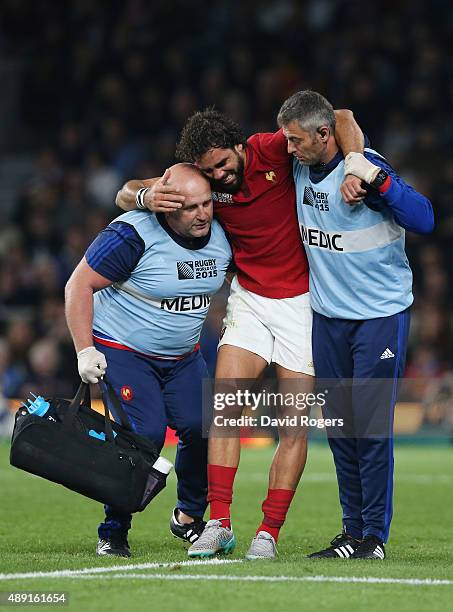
x=358, y=266
x=162, y=283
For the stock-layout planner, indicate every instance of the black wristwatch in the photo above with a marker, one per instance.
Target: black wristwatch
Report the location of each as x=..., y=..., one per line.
x=380, y=179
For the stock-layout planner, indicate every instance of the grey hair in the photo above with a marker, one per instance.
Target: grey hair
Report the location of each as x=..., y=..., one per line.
x=310, y=109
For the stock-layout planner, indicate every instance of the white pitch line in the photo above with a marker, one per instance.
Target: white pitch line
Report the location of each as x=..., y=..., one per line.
x=115, y=568
x=341, y=579
x=108, y=572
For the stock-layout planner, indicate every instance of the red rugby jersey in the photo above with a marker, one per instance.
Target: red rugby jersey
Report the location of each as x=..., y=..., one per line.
x=261, y=220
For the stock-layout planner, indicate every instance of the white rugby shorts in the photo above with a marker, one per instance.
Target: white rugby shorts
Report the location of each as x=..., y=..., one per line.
x=278, y=330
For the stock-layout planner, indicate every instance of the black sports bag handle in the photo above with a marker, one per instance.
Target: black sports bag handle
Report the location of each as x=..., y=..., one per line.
x=106, y=387
x=84, y=392
x=107, y=391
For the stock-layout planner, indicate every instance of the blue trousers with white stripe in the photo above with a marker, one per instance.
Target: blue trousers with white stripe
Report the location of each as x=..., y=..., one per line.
x=161, y=393
x=360, y=362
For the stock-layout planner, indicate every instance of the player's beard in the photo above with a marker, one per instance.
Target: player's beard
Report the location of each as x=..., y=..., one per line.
x=235, y=185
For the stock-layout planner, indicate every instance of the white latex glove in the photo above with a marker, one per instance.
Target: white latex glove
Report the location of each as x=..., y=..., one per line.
x=358, y=165
x=92, y=364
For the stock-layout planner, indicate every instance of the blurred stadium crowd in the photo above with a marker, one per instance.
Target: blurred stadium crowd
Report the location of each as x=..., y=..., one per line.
x=102, y=89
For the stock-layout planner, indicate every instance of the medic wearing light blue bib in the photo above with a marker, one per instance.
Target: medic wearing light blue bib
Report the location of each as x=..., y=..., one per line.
x=359, y=268
x=156, y=308
x=150, y=279
x=162, y=286
x=360, y=291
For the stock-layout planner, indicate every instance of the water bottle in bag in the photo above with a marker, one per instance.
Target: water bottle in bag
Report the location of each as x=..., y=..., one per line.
x=157, y=479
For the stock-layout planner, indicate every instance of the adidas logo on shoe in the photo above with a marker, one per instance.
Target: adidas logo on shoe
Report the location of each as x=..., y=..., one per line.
x=371, y=547
x=342, y=546
x=344, y=551
x=379, y=552
x=387, y=354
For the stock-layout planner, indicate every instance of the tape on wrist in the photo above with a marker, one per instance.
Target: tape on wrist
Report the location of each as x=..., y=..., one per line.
x=139, y=198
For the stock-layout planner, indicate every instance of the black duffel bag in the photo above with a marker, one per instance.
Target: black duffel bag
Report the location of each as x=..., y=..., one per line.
x=116, y=470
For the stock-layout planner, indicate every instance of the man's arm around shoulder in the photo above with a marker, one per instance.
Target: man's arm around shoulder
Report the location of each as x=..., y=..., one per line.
x=349, y=137
x=155, y=194
x=348, y=134
x=126, y=196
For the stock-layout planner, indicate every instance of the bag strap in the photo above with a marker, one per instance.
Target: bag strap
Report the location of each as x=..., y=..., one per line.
x=108, y=392
x=108, y=423
x=83, y=394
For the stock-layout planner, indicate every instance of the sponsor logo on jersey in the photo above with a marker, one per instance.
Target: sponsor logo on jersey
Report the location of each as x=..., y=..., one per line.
x=197, y=268
x=186, y=304
x=314, y=237
x=126, y=393
x=271, y=176
x=318, y=199
x=223, y=198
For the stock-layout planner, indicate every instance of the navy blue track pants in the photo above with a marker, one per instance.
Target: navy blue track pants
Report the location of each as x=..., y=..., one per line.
x=363, y=360
x=156, y=393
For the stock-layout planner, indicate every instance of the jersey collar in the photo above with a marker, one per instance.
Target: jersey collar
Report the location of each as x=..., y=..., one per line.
x=320, y=171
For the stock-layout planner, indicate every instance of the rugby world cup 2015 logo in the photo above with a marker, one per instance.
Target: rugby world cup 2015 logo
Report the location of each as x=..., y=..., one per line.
x=196, y=269
x=185, y=270
x=309, y=196
x=317, y=199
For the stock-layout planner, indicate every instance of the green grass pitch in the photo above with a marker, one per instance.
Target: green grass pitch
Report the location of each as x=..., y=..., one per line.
x=45, y=528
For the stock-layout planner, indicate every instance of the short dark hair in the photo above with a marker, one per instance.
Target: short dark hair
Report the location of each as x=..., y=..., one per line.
x=309, y=108
x=207, y=130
